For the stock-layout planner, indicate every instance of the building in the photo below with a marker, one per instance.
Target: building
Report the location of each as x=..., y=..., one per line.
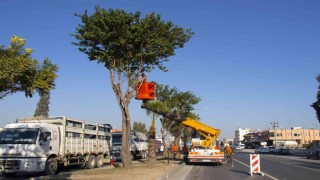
x=299, y=135
x=229, y=141
x=294, y=137
x=239, y=135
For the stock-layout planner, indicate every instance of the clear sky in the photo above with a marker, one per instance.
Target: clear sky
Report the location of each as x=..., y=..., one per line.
x=252, y=62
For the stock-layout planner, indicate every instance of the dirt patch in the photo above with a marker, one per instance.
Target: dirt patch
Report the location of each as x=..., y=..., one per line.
x=141, y=170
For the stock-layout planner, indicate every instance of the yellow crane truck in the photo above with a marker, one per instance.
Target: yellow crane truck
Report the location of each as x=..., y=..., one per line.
x=201, y=151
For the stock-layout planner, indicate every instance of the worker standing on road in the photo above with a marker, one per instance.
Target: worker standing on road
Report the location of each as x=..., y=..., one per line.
x=174, y=149
x=185, y=152
x=229, y=154
x=228, y=151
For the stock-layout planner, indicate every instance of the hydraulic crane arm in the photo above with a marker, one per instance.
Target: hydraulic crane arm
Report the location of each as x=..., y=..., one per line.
x=209, y=133
x=146, y=91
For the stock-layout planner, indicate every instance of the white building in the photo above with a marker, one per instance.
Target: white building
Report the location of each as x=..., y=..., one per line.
x=229, y=141
x=239, y=133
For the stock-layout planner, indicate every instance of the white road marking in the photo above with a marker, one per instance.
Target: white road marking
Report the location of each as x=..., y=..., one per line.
x=268, y=175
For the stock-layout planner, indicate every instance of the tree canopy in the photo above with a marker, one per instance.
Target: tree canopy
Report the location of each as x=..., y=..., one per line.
x=43, y=105
x=19, y=72
x=179, y=103
x=127, y=43
x=139, y=127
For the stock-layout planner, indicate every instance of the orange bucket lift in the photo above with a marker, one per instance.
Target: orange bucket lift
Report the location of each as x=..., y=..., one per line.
x=146, y=91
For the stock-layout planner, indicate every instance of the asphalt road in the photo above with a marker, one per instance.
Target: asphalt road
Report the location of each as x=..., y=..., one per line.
x=273, y=167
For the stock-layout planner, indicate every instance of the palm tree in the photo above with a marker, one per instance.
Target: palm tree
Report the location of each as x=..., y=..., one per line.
x=152, y=131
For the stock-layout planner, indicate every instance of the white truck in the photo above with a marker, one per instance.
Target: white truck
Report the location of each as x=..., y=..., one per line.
x=138, y=145
x=43, y=144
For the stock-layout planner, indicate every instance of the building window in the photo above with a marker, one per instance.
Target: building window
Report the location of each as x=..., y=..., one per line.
x=296, y=134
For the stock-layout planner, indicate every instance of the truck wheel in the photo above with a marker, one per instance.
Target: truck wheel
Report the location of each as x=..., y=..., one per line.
x=99, y=161
x=91, y=163
x=51, y=166
x=9, y=174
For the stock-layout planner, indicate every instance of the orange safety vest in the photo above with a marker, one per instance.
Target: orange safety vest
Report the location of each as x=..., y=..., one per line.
x=174, y=148
x=228, y=150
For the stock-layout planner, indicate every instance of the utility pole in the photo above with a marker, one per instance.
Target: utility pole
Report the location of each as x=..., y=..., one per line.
x=274, y=127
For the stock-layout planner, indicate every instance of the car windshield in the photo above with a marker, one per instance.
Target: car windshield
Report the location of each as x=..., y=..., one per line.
x=19, y=136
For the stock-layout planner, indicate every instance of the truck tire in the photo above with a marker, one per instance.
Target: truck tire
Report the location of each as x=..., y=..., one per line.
x=51, y=166
x=99, y=162
x=91, y=163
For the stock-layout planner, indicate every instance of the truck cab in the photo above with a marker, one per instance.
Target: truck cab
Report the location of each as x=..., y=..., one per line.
x=25, y=147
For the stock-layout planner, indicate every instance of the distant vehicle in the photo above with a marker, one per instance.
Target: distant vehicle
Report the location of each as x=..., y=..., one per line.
x=262, y=150
x=138, y=145
x=315, y=154
x=283, y=151
x=272, y=149
x=158, y=146
x=239, y=147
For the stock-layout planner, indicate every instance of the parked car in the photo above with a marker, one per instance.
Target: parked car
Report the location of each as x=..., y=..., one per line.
x=282, y=151
x=272, y=150
x=262, y=150
x=315, y=154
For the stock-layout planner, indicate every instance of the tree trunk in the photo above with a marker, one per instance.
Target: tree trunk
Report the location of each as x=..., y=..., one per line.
x=177, y=138
x=123, y=100
x=125, y=147
x=165, y=149
x=152, y=138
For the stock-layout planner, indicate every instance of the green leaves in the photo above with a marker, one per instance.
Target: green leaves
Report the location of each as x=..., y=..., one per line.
x=139, y=127
x=176, y=102
x=19, y=72
x=126, y=42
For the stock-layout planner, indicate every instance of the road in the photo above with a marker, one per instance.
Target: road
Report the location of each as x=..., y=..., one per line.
x=273, y=167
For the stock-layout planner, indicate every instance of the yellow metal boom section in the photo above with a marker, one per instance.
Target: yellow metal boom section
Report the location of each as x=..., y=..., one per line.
x=204, y=130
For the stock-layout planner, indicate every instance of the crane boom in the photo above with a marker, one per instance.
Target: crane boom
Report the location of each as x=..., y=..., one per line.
x=206, y=153
x=209, y=133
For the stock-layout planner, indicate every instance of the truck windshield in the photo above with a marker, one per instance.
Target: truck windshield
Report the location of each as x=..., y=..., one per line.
x=19, y=136
x=116, y=138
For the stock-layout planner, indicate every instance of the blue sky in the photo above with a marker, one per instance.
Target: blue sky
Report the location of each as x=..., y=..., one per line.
x=252, y=62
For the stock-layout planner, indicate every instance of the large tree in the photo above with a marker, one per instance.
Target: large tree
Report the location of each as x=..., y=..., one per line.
x=316, y=105
x=128, y=46
x=19, y=72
